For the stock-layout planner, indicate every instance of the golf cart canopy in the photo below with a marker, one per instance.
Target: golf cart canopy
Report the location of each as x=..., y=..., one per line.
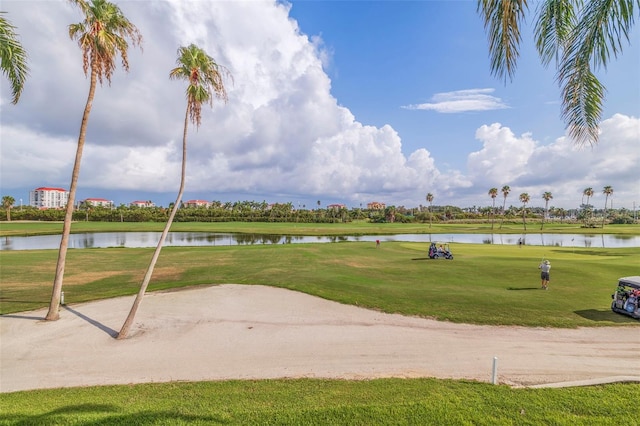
x=633, y=282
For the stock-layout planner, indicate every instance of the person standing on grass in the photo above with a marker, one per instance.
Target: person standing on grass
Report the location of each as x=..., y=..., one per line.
x=545, y=267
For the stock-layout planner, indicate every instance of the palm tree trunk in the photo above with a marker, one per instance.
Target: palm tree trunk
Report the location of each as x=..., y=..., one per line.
x=124, y=331
x=604, y=215
x=524, y=220
x=504, y=203
x=54, y=306
x=493, y=213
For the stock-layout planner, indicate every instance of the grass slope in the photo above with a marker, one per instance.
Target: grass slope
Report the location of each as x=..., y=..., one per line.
x=322, y=402
x=288, y=228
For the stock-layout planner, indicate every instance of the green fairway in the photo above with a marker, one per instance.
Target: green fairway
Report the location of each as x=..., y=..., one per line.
x=322, y=402
x=289, y=228
x=484, y=284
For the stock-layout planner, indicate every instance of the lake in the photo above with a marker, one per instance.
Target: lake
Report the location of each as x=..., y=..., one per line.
x=150, y=239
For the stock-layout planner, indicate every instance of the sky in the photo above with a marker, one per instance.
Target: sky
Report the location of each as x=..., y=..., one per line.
x=332, y=101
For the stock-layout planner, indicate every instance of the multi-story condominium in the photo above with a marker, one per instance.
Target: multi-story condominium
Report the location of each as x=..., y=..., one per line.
x=99, y=202
x=48, y=198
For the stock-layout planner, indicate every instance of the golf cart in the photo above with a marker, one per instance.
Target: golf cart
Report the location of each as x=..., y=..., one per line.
x=626, y=299
x=440, y=250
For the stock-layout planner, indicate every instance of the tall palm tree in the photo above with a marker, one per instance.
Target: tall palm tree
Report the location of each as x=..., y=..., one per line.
x=524, y=199
x=430, y=201
x=101, y=36
x=493, y=193
x=579, y=36
x=13, y=58
x=205, y=78
x=546, y=197
x=7, y=202
x=607, y=191
x=505, y=192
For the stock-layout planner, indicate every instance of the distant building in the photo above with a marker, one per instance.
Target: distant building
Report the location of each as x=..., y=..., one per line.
x=197, y=203
x=374, y=205
x=99, y=202
x=48, y=198
x=336, y=206
x=142, y=204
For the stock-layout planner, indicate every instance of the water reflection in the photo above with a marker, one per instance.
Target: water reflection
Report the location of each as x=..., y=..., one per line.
x=150, y=239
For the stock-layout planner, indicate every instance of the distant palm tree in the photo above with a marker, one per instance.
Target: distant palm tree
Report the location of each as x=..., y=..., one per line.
x=505, y=192
x=546, y=197
x=587, y=192
x=101, y=36
x=524, y=199
x=430, y=201
x=206, y=80
x=13, y=58
x=579, y=36
x=607, y=191
x=493, y=193
x=7, y=202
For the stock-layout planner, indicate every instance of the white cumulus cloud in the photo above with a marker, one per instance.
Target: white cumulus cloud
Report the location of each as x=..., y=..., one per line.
x=462, y=101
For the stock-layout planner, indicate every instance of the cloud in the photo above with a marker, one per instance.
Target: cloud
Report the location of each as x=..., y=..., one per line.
x=561, y=167
x=282, y=135
x=462, y=101
x=282, y=132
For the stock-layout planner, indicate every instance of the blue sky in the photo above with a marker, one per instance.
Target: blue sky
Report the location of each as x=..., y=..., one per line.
x=335, y=101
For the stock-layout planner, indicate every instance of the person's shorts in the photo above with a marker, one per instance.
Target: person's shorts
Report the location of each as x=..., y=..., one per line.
x=544, y=276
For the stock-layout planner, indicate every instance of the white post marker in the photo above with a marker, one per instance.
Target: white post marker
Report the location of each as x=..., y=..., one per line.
x=494, y=375
x=62, y=298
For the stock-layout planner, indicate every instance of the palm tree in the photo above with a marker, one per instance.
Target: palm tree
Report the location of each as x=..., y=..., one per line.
x=13, y=58
x=205, y=80
x=101, y=36
x=430, y=201
x=524, y=199
x=546, y=197
x=607, y=191
x=7, y=202
x=493, y=193
x=579, y=36
x=588, y=192
x=505, y=192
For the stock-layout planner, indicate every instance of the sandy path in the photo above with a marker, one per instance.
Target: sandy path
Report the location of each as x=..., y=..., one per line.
x=255, y=332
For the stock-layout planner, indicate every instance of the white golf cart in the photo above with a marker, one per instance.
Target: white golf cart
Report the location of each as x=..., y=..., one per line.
x=626, y=299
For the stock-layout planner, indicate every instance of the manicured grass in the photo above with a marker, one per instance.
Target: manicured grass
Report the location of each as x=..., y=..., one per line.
x=484, y=284
x=350, y=228
x=322, y=402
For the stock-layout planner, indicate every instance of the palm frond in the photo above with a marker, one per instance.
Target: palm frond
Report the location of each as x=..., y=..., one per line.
x=13, y=58
x=582, y=98
x=556, y=18
x=102, y=35
x=502, y=20
x=205, y=78
x=601, y=29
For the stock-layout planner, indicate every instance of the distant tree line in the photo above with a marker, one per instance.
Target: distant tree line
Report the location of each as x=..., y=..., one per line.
x=251, y=211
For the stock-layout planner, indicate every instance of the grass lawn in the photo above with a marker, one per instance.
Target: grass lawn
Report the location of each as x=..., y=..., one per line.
x=351, y=228
x=323, y=402
x=484, y=284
